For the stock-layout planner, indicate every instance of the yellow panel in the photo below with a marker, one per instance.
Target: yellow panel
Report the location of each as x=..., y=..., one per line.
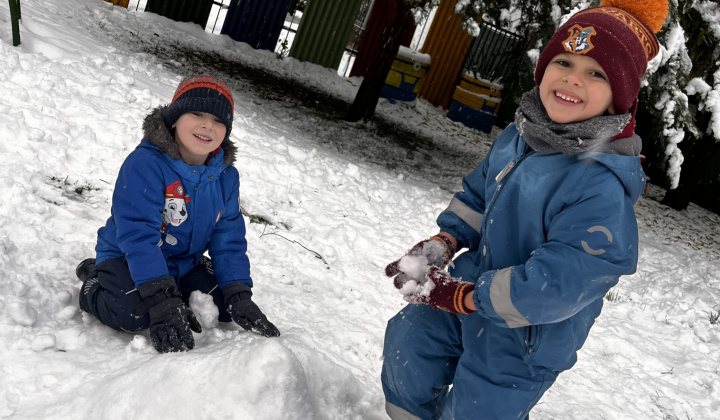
x=393, y=79
x=476, y=86
x=409, y=67
x=406, y=70
x=475, y=102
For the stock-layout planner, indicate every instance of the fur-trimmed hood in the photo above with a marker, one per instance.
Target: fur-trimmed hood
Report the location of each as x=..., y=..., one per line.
x=155, y=131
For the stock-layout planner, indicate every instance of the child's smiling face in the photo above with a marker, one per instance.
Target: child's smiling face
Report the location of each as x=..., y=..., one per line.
x=575, y=88
x=197, y=134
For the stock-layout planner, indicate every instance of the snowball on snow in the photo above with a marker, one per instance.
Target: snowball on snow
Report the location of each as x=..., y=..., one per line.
x=205, y=309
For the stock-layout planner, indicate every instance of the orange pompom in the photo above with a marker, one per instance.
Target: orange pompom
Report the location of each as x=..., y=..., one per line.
x=651, y=12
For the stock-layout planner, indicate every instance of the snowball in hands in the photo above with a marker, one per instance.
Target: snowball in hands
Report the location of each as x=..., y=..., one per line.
x=416, y=267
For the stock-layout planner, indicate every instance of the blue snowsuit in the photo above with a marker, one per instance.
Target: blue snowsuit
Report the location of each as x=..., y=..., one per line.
x=548, y=235
x=165, y=215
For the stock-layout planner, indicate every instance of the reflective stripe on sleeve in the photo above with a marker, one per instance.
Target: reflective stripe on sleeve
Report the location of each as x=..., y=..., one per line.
x=501, y=301
x=464, y=212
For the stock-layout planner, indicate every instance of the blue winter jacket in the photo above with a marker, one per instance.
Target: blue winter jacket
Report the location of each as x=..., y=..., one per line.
x=548, y=235
x=166, y=214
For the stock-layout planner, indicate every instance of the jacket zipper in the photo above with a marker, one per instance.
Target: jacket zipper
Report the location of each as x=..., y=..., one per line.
x=506, y=170
x=532, y=331
x=533, y=335
x=499, y=178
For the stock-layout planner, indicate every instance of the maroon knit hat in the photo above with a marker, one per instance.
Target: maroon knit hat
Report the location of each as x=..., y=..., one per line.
x=619, y=35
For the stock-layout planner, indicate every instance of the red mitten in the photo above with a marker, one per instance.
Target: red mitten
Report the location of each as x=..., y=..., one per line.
x=440, y=291
x=436, y=251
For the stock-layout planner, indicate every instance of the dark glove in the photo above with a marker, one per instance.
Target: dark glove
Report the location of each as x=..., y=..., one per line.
x=438, y=250
x=245, y=312
x=171, y=321
x=447, y=294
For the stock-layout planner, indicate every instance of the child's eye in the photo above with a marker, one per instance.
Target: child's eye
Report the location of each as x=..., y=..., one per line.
x=598, y=75
x=196, y=113
x=563, y=63
x=218, y=120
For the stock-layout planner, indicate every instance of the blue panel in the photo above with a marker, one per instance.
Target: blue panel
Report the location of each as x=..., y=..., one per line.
x=392, y=93
x=256, y=22
x=471, y=117
x=408, y=87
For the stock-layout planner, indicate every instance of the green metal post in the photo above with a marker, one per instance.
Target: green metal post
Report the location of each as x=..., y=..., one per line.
x=15, y=18
x=324, y=31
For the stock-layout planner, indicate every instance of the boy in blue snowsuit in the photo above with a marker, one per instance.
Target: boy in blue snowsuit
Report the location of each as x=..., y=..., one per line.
x=176, y=197
x=548, y=221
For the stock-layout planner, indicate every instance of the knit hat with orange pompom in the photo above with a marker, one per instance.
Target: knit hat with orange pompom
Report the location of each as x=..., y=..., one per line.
x=619, y=35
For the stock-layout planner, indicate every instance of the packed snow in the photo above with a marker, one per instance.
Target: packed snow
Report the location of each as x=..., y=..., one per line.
x=323, y=221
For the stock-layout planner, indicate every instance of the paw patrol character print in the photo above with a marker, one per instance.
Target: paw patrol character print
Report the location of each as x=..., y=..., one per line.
x=175, y=211
x=579, y=41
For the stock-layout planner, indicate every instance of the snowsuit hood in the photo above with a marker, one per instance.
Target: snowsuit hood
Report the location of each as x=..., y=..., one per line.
x=621, y=157
x=155, y=131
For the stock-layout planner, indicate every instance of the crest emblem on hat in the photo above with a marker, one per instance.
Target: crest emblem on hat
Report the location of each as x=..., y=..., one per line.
x=579, y=41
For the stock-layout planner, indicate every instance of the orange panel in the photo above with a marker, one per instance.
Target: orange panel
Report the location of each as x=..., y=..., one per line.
x=121, y=3
x=447, y=45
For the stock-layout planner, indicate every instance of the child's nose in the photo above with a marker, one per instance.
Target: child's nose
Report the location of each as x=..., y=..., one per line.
x=573, y=79
x=207, y=121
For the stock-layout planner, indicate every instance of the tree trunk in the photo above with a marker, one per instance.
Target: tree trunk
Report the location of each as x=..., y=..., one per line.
x=696, y=153
x=368, y=95
x=679, y=198
x=698, y=175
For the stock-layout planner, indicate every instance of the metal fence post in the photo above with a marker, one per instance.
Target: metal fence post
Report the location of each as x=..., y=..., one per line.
x=324, y=31
x=15, y=18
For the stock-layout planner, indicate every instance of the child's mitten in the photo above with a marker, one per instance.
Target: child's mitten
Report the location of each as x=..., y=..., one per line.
x=436, y=251
x=171, y=321
x=441, y=291
x=245, y=312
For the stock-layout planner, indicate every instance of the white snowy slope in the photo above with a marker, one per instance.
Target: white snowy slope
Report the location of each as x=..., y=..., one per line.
x=72, y=99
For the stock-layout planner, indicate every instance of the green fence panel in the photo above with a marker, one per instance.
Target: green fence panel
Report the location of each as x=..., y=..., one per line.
x=324, y=31
x=15, y=17
x=196, y=11
x=489, y=53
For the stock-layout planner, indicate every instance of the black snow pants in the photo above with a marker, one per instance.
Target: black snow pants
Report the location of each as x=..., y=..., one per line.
x=110, y=295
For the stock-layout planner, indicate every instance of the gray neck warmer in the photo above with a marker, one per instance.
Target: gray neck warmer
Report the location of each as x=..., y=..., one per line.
x=595, y=134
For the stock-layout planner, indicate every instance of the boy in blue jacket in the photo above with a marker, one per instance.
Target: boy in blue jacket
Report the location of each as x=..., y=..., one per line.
x=176, y=197
x=548, y=221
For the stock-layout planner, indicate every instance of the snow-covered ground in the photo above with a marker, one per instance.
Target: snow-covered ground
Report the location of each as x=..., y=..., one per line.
x=327, y=220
